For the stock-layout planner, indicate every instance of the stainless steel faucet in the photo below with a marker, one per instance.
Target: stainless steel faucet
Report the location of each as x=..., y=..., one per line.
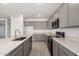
x=16, y=31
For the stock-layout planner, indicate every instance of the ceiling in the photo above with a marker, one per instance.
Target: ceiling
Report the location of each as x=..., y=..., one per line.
x=28, y=10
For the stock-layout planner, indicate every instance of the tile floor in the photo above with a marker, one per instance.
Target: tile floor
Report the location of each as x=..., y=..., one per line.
x=39, y=49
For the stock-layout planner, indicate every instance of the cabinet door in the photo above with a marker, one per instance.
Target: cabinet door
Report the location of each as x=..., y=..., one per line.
x=18, y=51
x=55, y=48
x=66, y=51
x=51, y=19
x=63, y=15
x=27, y=46
x=30, y=44
x=26, y=50
x=45, y=39
x=73, y=14
x=38, y=37
x=55, y=16
x=61, y=53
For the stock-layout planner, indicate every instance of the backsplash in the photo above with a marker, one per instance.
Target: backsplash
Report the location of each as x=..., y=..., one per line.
x=70, y=32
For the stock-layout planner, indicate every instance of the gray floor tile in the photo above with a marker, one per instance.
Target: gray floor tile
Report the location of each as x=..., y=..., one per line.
x=39, y=49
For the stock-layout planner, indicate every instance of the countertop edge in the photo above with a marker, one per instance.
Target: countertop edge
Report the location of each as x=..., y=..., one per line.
x=6, y=54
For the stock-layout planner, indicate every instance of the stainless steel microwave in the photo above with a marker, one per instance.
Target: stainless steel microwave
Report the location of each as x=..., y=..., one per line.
x=55, y=24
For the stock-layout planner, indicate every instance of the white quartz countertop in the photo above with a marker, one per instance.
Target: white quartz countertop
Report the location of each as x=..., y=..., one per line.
x=7, y=45
x=71, y=45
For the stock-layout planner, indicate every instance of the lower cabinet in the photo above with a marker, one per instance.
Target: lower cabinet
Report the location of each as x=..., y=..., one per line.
x=17, y=52
x=59, y=50
x=23, y=49
x=27, y=46
x=26, y=50
x=55, y=48
x=20, y=53
x=45, y=38
x=61, y=53
x=65, y=51
x=38, y=37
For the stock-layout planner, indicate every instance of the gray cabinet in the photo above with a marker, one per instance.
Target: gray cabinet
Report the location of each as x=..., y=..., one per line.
x=26, y=49
x=45, y=39
x=18, y=51
x=66, y=51
x=69, y=15
x=51, y=19
x=36, y=24
x=73, y=14
x=27, y=46
x=61, y=53
x=23, y=49
x=38, y=37
x=55, y=48
x=63, y=15
x=59, y=50
x=55, y=16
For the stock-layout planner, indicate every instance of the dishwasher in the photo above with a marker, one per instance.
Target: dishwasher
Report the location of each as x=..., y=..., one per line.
x=49, y=44
x=50, y=41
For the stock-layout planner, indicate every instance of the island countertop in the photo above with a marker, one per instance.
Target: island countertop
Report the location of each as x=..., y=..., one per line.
x=7, y=45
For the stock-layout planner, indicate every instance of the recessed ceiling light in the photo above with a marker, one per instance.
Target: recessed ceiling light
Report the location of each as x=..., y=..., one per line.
x=39, y=15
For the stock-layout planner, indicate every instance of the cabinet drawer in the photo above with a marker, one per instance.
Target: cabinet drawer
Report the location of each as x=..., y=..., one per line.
x=68, y=52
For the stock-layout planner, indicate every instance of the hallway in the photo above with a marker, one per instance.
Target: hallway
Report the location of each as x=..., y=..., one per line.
x=39, y=49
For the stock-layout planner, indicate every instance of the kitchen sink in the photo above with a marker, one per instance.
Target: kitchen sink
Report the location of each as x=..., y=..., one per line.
x=19, y=39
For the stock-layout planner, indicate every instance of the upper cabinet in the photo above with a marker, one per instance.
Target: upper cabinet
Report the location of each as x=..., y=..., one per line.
x=55, y=16
x=68, y=15
x=63, y=15
x=73, y=14
x=51, y=19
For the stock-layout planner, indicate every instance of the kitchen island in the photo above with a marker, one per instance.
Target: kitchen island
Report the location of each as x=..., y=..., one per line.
x=8, y=46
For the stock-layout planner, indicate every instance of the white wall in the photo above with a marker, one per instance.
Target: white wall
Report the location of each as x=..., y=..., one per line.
x=16, y=23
